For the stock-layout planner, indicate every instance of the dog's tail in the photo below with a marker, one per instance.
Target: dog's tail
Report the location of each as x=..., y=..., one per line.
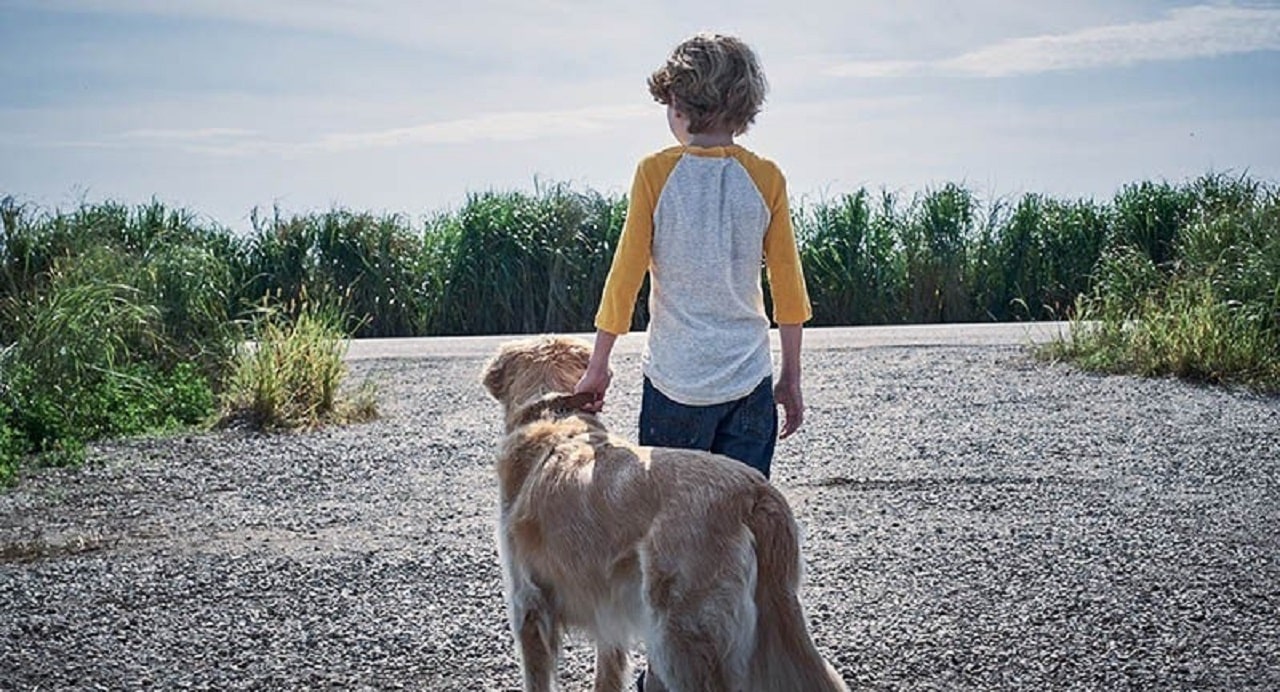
x=785, y=657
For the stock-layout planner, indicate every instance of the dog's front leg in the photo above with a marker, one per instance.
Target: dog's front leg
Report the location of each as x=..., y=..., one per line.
x=653, y=683
x=534, y=623
x=611, y=668
x=538, y=635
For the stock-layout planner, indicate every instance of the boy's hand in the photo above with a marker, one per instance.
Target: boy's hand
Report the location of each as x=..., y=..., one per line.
x=598, y=375
x=787, y=394
x=596, y=381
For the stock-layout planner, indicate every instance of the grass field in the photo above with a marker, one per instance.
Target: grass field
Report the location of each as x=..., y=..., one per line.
x=118, y=319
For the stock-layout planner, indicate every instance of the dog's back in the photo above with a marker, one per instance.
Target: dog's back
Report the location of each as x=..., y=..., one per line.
x=705, y=563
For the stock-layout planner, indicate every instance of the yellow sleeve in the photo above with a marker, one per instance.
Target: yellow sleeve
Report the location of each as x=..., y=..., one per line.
x=630, y=259
x=782, y=257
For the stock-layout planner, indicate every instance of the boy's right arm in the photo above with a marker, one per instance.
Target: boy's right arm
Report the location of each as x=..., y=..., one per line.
x=630, y=263
x=630, y=258
x=598, y=375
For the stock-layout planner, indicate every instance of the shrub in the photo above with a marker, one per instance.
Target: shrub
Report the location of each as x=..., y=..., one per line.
x=1210, y=311
x=109, y=342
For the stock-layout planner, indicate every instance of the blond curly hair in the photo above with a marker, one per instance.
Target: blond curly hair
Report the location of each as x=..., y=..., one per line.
x=714, y=80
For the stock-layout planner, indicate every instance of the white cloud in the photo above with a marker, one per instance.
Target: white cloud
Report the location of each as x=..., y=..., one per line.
x=501, y=127
x=197, y=135
x=1201, y=31
x=522, y=126
x=875, y=69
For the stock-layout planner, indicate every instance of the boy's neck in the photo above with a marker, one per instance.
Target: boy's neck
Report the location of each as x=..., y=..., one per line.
x=710, y=139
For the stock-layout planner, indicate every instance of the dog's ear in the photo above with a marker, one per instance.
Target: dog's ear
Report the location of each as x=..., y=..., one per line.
x=496, y=378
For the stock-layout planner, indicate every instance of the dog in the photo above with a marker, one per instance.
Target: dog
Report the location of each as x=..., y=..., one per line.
x=693, y=553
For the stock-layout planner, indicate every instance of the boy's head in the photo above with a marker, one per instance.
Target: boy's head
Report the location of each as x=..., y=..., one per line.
x=714, y=80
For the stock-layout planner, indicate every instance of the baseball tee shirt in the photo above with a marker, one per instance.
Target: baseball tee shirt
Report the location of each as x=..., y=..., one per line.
x=701, y=222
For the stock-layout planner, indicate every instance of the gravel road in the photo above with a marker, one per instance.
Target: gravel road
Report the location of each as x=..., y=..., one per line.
x=974, y=520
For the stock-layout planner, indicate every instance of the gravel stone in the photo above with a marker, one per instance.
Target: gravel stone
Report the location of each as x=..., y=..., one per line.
x=973, y=520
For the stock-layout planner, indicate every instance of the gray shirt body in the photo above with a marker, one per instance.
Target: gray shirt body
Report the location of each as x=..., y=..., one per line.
x=708, y=335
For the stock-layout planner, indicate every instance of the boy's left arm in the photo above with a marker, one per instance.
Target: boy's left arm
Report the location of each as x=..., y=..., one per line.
x=787, y=390
x=791, y=308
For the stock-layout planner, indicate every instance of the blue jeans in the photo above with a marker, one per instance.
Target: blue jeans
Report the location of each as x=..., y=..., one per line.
x=745, y=429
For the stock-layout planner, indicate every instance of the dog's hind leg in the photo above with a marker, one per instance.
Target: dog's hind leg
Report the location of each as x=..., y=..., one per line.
x=611, y=668
x=689, y=656
x=703, y=613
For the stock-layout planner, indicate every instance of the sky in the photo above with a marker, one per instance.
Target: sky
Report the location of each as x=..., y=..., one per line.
x=409, y=106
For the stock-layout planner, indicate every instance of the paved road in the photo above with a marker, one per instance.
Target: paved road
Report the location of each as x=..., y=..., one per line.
x=820, y=338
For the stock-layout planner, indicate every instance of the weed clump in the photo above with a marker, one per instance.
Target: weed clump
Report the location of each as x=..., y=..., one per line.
x=290, y=376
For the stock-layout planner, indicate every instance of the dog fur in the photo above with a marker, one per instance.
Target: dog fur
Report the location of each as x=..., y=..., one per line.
x=693, y=553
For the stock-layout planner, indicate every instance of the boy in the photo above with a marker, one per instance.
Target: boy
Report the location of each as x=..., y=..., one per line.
x=701, y=217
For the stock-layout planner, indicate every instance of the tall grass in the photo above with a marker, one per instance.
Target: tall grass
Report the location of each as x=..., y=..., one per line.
x=512, y=262
x=854, y=272
x=113, y=321
x=373, y=264
x=518, y=263
x=1032, y=261
x=1148, y=216
x=944, y=256
x=184, y=271
x=936, y=239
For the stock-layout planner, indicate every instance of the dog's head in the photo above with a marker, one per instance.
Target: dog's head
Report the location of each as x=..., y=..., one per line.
x=527, y=370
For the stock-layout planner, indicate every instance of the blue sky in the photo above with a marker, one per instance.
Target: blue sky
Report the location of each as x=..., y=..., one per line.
x=406, y=106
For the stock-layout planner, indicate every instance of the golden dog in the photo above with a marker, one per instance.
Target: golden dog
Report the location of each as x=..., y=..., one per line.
x=691, y=552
